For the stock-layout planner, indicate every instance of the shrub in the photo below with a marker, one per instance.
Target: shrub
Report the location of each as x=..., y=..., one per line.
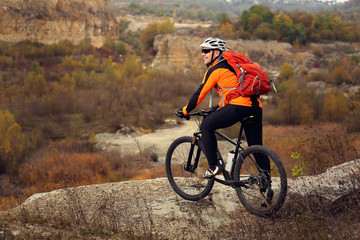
x=287, y=71
x=317, y=50
x=147, y=37
x=353, y=120
x=70, y=65
x=69, y=163
x=318, y=76
x=265, y=32
x=1, y=83
x=335, y=106
x=63, y=48
x=294, y=107
x=356, y=75
x=85, y=46
x=12, y=143
x=81, y=79
x=166, y=26
x=35, y=84
x=340, y=75
x=244, y=35
x=6, y=62
x=113, y=46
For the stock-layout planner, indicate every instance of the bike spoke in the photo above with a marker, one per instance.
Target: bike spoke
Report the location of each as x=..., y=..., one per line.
x=184, y=173
x=264, y=190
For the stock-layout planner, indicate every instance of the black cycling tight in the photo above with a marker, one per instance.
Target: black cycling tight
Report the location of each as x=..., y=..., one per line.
x=225, y=117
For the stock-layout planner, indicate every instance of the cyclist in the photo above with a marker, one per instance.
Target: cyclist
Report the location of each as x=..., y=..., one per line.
x=221, y=76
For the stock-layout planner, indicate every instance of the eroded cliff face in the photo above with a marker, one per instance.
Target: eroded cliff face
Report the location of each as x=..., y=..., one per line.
x=51, y=20
x=179, y=51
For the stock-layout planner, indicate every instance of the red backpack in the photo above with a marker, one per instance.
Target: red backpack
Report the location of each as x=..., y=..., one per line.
x=253, y=80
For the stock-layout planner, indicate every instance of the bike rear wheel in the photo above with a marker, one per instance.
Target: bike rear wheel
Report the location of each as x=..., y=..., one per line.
x=185, y=176
x=263, y=193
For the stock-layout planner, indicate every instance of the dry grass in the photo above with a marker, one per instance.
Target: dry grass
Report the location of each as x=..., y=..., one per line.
x=321, y=146
x=70, y=163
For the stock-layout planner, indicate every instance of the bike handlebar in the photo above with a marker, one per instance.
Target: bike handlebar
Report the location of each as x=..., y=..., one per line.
x=202, y=113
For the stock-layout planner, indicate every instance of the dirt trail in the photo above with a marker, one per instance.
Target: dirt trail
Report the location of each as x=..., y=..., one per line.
x=158, y=142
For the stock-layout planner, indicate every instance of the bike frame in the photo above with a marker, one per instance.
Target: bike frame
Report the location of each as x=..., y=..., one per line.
x=228, y=176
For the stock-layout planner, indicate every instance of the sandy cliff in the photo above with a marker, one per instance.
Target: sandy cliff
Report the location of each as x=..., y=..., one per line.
x=52, y=20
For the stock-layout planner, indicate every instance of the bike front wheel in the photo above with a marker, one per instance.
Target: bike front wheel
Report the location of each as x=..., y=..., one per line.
x=263, y=191
x=185, y=163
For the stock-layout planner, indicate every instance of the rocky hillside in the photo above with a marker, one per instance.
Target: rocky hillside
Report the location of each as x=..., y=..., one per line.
x=51, y=20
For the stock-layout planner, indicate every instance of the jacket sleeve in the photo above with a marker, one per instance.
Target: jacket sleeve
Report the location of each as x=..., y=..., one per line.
x=208, y=83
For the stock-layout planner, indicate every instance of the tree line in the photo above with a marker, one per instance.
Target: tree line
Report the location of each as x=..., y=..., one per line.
x=259, y=22
x=296, y=27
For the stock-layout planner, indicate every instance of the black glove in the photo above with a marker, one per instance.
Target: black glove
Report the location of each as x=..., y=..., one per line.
x=181, y=114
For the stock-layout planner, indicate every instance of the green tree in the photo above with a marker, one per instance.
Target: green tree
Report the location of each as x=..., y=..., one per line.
x=244, y=19
x=296, y=34
x=265, y=32
x=283, y=23
x=254, y=21
x=224, y=19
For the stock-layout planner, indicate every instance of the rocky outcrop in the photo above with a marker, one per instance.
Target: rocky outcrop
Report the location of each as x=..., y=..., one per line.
x=332, y=184
x=152, y=207
x=179, y=51
x=52, y=20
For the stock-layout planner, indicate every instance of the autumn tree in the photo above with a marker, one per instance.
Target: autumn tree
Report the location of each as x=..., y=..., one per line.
x=265, y=32
x=166, y=26
x=287, y=72
x=283, y=24
x=226, y=30
x=340, y=74
x=12, y=142
x=294, y=107
x=147, y=35
x=335, y=106
x=35, y=83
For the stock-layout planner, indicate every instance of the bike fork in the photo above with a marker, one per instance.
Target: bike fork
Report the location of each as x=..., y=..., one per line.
x=188, y=167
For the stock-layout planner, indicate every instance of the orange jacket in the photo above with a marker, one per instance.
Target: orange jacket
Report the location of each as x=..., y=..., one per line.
x=219, y=76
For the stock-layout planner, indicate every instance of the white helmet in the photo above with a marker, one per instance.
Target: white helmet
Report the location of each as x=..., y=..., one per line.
x=214, y=43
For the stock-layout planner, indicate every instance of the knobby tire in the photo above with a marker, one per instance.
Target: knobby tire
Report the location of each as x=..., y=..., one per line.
x=256, y=195
x=188, y=184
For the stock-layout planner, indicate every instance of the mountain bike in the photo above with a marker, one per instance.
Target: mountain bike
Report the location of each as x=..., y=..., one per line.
x=261, y=192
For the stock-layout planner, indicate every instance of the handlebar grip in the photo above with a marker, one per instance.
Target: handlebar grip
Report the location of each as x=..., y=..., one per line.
x=181, y=115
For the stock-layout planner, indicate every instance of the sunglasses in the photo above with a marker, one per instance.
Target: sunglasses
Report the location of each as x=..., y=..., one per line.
x=204, y=50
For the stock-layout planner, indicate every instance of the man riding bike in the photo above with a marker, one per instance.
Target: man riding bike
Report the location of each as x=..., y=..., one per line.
x=222, y=77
